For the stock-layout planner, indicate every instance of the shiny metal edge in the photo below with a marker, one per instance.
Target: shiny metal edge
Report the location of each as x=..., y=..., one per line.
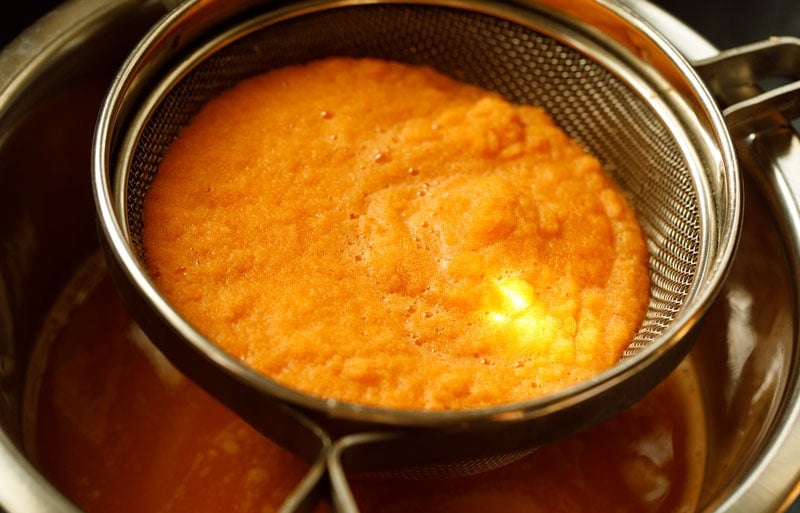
x=22, y=62
x=131, y=78
x=30, y=49
x=774, y=481
x=28, y=54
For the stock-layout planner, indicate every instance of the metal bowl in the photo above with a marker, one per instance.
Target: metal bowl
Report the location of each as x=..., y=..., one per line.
x=52, y=80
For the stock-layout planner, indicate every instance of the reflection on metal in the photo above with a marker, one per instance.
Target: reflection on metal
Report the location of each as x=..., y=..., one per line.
x=755, y=430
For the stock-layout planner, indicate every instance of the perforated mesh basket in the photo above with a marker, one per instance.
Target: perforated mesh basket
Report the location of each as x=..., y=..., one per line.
x=592, y=104
x=658, y=135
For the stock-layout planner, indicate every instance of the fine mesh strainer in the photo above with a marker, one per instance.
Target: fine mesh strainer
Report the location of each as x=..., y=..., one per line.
x=626, y=97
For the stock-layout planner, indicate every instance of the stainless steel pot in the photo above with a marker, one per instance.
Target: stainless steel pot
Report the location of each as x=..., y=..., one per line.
x=52, y=79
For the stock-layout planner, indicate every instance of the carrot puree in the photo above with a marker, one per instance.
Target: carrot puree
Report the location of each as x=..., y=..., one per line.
x=380, y=233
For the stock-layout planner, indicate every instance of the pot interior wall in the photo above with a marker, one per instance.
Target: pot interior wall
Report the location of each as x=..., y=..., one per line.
x=46, y=210
x=744, y=354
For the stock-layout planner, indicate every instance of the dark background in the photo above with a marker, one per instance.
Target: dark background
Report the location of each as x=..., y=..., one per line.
x=18, y=14
x=728, y=23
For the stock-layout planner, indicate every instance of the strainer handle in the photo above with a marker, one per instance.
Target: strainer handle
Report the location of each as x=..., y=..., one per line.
x=740, y=77
x=410, y=455
x=359, y=453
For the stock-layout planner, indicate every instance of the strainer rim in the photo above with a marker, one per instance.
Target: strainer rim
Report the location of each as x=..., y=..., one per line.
x=523, y=410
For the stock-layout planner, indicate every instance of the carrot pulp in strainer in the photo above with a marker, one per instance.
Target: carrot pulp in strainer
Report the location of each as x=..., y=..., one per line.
x=380, y=233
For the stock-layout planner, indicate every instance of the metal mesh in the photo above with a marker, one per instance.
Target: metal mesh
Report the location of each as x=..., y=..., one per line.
x=453, y=469
x=588, y=101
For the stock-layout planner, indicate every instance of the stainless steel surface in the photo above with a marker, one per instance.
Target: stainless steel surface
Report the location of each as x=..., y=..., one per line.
x=670, y=152
x=770, y=156
x=51, y=84
x=51, y=81
x=738, y=77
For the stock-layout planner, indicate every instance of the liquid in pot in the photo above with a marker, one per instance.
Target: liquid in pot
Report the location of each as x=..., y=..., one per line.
x=116, y=428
